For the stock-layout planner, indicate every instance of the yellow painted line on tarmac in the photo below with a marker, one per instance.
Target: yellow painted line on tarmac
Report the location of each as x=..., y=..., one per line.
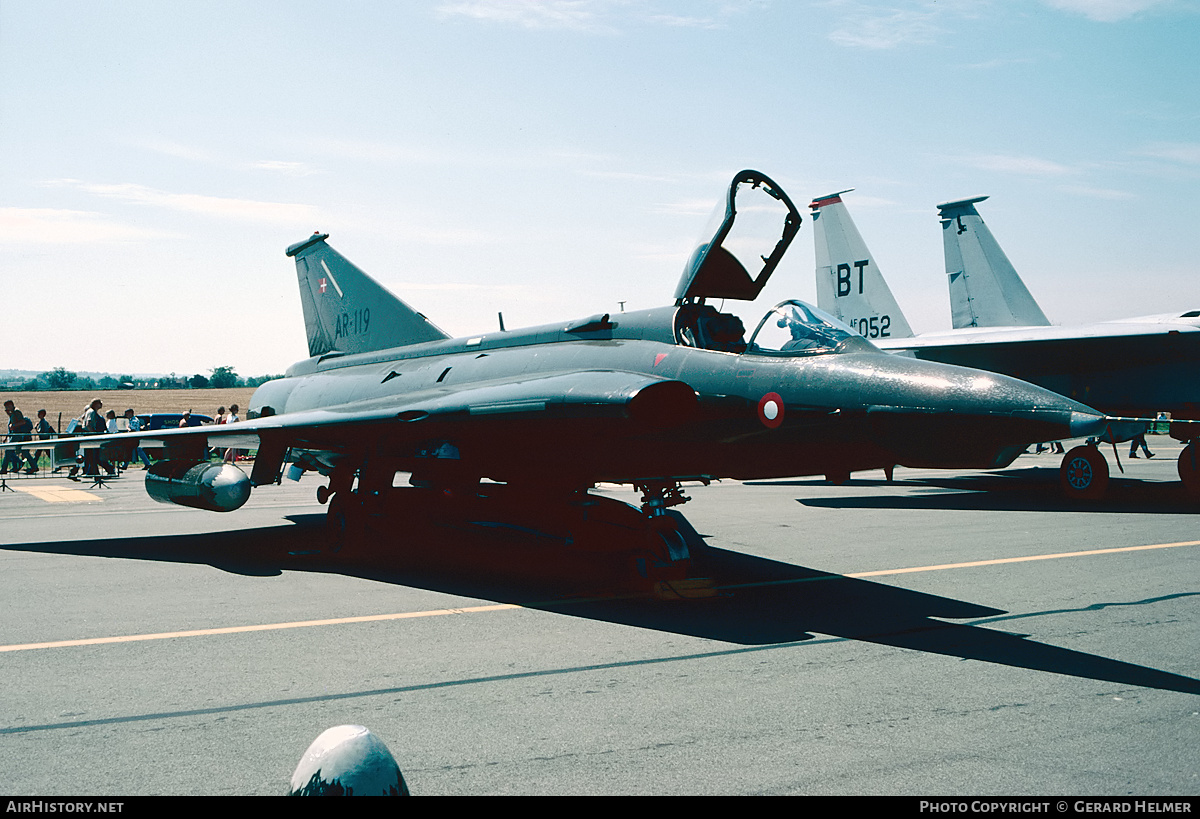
x=58, y=494
x=204, y=632
x=407, y=615
x=1025, y=559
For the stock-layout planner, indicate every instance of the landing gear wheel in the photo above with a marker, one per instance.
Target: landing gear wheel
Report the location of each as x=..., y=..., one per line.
x=1084, y=473
x=1189, y=469
x=343, y=521
x=665, y=555
x=673, y=543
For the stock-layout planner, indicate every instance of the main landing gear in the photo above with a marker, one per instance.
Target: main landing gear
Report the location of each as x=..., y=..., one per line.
x=648, y=546
x=657, y=497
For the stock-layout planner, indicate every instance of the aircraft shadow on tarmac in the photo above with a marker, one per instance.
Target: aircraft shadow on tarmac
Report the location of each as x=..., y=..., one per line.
x=758, y=602
x=1032, y=489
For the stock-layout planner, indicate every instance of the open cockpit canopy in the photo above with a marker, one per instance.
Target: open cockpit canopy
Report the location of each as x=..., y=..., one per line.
x=742, y=244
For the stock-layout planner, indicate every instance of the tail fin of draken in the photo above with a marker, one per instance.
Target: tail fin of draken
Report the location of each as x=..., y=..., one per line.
x=347, y=311
x=849, y=284
x=985, y=290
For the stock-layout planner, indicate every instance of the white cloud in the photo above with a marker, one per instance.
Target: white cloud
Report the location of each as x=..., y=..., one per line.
x=1028, y=165
x=376, y=151
x=579, y=15
x=596, y=16
x=192, y=153
x=860, y=202
x=688, y=207
x=55, y=226
x=1098, y=193
x=1187, y=153
x=988, y=65
x=886, y=29
x=248, y=210
x=1105, y=11
x=285, y=168
x=180, y=151
x=627, y=176
x=685, y=21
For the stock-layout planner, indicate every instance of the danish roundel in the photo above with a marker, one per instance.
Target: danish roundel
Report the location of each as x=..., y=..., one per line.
x=770, y=410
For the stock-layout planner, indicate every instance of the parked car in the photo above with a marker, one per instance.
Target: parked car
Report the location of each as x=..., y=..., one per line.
x=170, y=420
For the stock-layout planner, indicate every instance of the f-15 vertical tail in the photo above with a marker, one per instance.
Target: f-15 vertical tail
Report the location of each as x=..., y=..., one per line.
x=347, y=311
x=985, y=290
x=849, y=284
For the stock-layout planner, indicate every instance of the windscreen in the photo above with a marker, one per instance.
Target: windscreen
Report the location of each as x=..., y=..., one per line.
x=796, y=328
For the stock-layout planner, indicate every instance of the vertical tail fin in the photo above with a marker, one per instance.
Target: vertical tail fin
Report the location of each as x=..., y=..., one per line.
x=347, y=311
x=849, y=284
x=985, y=290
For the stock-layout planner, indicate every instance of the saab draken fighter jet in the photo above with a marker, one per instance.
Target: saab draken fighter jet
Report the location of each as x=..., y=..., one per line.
x=496, y=424
x=1131, y=368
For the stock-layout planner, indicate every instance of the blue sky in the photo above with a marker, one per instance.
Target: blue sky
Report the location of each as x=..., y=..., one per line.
x=551, y=159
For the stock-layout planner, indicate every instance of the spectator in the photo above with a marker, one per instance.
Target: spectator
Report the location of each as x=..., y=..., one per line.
x=20, y=428
x=45, y=431
x=94, y=424
x=1139, y=440
x=218, y=419
x=231, y=454
x=135, y=425
x=9, y=409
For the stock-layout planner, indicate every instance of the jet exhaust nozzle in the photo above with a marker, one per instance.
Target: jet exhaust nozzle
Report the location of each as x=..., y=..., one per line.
x=215, y=487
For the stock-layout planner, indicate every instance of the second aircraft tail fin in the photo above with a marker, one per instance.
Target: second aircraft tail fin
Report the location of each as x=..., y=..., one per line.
x=347, y=311
x=849, y=284
x=985, y=290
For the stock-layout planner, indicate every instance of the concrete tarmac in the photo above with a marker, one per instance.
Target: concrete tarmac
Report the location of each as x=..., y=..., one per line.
x=950, y=633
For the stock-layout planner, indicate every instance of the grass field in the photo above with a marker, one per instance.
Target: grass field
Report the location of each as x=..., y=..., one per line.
x=70, y=403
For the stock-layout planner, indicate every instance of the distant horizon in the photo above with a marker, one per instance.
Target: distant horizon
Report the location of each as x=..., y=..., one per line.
x=27, y=374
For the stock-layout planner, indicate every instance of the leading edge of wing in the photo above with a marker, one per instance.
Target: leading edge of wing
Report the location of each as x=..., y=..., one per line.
x=590, y=393
x=644, y=399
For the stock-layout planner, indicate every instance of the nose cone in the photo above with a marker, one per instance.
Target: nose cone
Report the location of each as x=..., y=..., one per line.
x=990, y=395
x=1086, y=423
x=940, y=415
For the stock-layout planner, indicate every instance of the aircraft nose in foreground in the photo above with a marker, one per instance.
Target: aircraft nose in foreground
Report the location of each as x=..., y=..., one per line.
x=935, y=412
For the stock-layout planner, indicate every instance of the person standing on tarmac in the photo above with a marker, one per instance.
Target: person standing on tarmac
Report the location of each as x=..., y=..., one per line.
x=94, y=424
x=45, y=431
x=20, y=428
x=1139, y=440
x=231, y=455
x=135, y=425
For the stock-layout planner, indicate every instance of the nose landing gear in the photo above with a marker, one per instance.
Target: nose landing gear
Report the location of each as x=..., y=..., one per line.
x=1084, y=473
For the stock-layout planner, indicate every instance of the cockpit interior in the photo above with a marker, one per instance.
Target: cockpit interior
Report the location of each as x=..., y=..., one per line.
x=789, y=328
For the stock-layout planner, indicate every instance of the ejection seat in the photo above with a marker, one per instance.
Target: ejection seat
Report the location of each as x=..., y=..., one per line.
x=703, y=327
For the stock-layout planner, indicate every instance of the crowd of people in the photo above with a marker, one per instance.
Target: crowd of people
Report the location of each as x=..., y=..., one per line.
x=94, y=420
